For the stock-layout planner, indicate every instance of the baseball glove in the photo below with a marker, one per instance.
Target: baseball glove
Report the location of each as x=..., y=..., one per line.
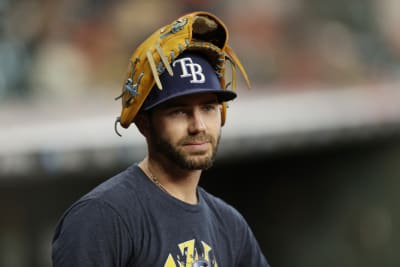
x=199, y=31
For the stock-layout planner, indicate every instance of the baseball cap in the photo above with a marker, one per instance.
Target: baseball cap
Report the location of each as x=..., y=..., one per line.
x=193, y=74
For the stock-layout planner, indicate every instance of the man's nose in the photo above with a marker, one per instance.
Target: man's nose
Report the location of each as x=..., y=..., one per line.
x=197, y=123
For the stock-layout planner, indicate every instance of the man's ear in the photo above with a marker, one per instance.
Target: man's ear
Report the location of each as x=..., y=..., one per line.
x=142, y=122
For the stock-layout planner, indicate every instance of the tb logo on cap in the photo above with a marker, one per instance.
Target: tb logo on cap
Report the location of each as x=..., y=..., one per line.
x=190, y=69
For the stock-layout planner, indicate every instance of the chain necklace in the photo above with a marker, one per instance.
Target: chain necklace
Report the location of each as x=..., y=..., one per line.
x=154, y=179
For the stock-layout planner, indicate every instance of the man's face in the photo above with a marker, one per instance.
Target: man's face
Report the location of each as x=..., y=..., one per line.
x=186, y=131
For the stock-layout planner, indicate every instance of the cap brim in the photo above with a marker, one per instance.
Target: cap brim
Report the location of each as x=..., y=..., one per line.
x=222, y=95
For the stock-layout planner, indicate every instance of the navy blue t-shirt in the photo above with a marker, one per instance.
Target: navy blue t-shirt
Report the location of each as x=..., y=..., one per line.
x=129, y=221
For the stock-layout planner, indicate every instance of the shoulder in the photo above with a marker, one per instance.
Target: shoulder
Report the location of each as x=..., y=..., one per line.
x=114, y=199
x=92, y=233
x=232, y=222
x=123, y=182
x=118, y=192
x=222, y=210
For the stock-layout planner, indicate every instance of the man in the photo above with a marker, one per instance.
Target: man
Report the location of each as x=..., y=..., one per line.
x=154, y=213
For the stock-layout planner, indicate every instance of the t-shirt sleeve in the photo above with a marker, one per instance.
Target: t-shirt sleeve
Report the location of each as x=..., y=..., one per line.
x=250, y=251
x=91, y=234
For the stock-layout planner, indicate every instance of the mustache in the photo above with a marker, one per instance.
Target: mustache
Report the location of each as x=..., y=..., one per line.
x=197, y=138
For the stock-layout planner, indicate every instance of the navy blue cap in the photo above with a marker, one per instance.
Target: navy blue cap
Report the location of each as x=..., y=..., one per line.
x=192, y=74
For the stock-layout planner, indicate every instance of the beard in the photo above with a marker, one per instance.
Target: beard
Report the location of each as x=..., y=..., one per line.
x=186, y=161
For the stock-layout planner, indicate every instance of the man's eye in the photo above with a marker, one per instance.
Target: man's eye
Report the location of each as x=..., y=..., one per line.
x=177, y=112
x=210, y=107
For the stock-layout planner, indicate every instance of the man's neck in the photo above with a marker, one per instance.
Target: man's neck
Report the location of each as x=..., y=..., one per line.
x=181, y=184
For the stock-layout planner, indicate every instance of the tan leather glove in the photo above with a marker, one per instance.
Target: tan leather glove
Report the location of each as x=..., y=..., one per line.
x=200, y=31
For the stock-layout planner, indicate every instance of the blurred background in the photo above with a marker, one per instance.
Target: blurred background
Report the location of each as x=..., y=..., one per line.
x=310, y=155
